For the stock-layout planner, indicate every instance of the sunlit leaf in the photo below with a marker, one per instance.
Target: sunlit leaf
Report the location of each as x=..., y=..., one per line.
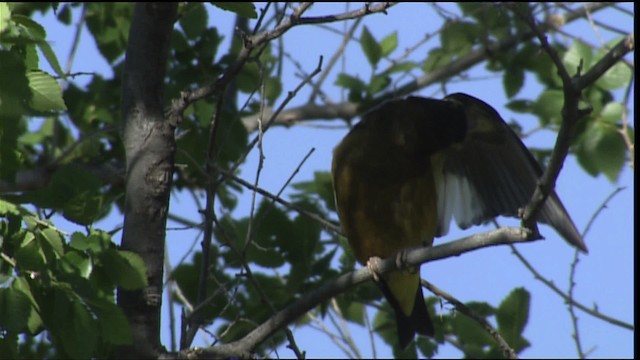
x=388, y=44
x=46, y=93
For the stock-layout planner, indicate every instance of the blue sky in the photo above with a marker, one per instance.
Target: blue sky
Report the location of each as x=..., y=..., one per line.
x=604, y=278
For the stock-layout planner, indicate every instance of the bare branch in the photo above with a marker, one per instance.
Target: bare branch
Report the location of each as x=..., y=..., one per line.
x=552, y=286
x=326, y=224
x=366, y=10
x=252, y=42
x=348, y=36
x=348, y=110
x=622, y=48
x=408, y=258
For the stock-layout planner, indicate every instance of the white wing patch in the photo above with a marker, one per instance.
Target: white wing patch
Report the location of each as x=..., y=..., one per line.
x=456, y=198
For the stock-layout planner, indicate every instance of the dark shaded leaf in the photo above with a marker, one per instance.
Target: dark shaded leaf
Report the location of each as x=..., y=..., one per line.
x=245, y=9
x=512, y=316
x=15, y=308
x=372, y=50
x=194, y=20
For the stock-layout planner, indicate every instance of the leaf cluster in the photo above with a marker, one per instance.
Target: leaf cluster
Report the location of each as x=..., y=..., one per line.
x=63, y=285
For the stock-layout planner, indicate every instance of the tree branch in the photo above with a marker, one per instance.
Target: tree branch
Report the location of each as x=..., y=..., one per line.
x=571, y=113
x=149, y=142
x=348, y=110
x=252, y=42
x=406, y=258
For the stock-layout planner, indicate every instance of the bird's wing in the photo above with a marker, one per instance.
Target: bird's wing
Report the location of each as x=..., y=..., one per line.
x=490, y=173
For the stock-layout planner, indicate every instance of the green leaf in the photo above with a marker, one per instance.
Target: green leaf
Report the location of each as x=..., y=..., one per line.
x=610, y=152
x=245, y=9
x=372, y=50
x=5, y=16
x=46, y=93
x=64, y=14
x=354, y=312
x=548, y=107
x=602, y=149
x=76, y=263
x=378, y=83
x=194, y=20
x=578, y=52
x=388, y=44
x=273, y=89
x=520, y=105
x=48, y=53
x=619, y=75
x=8, y=208
x=248, y=78
x=14, y=92
x=34, y=30
x=109, y=23
x=427, y=346
x=133, y=272
x=54, y=239
x=85, y=208
x=15, y=308
x=512, y=316
x=71, y=320
x=120, y=271
x=113, y=324
x=436, y=59
x=612, y=112
x=97, y=242
x=457, y=37
x=401, y=67
x=471, y=334
x=34, y=323
x=350, y=82
x=29, y=256
x=384, y=324
x=513, y=80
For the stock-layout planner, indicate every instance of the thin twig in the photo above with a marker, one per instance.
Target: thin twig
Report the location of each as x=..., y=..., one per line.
x=369, y=327
x=343, y=329
x=572, y=313
x=593, y=312
x=348, y=110
x=326, y=224
x=334, y=59
x=169, y=290
x=572, y=273
x=76, y=41
x=273, y=116
x=507, y=350
x=337, y=340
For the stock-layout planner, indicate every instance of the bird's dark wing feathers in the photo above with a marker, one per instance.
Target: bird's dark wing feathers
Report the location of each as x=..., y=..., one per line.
x=491, y=173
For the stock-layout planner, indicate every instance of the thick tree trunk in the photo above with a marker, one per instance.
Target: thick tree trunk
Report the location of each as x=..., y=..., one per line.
x=150, y=146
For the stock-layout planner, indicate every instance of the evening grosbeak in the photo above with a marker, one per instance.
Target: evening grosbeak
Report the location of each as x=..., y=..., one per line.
x=412, y=164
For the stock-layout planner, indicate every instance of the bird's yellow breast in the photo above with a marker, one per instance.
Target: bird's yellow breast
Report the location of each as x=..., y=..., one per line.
x=386, y=201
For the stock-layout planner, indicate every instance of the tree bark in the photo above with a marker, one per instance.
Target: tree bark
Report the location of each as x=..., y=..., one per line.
x=149, y=141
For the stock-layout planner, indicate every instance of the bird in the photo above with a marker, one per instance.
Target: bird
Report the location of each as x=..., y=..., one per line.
x=413, y=164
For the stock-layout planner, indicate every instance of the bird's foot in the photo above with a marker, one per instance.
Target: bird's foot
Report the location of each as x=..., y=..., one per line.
x=373, y=264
